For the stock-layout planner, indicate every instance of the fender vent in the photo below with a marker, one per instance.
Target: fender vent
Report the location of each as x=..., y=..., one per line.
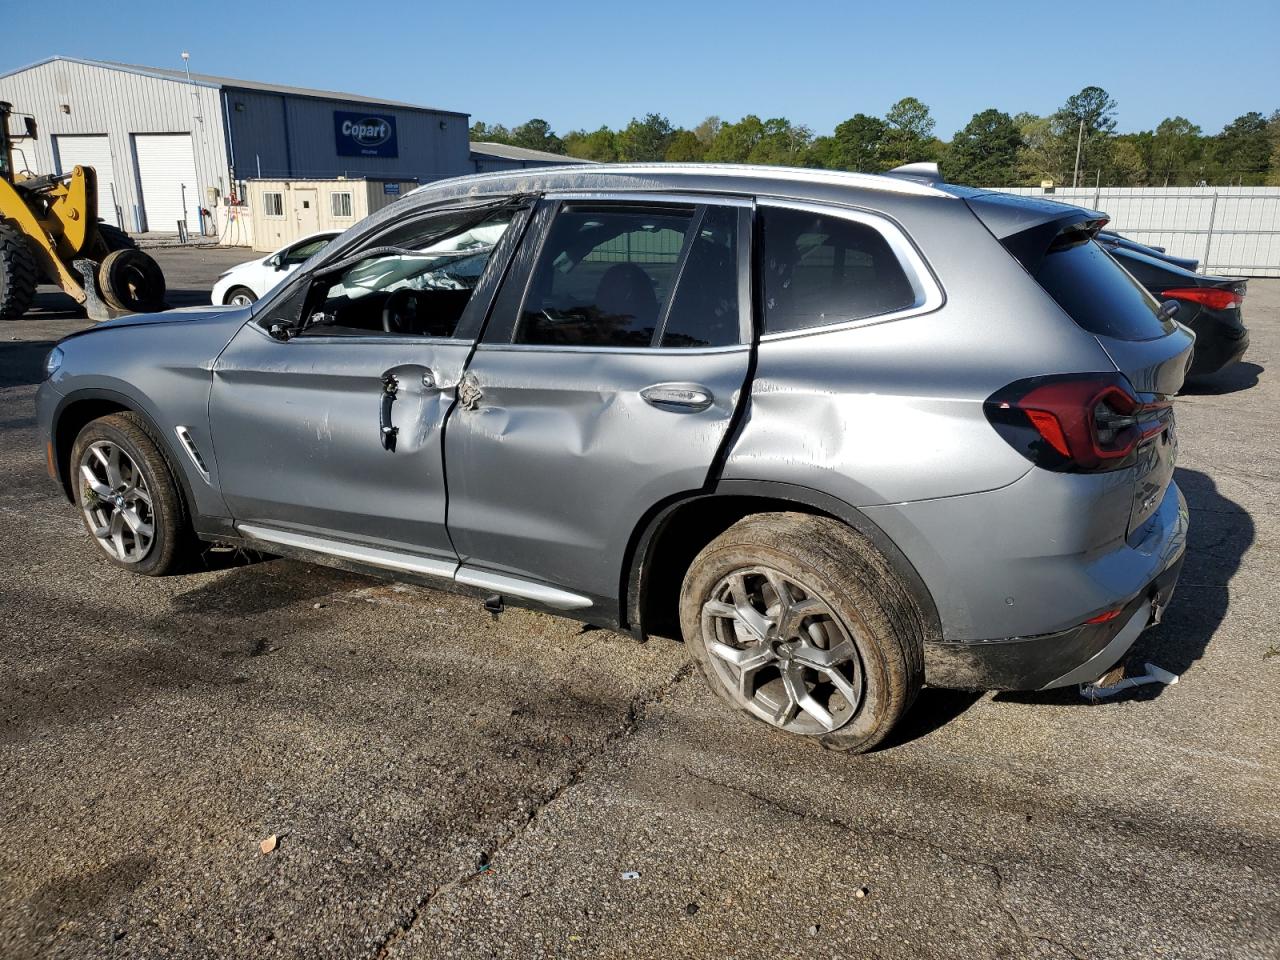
x=184, y=437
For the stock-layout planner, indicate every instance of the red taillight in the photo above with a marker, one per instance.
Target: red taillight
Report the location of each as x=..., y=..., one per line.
x=1106, y=617
x=1215, y=298
x=1074, y=423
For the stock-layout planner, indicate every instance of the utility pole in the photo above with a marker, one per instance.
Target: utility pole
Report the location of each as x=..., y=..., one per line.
x=1075, y=177
x=198, y=117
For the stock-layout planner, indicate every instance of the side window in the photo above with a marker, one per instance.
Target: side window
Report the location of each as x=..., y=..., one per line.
x=821, y=269
x=273, y=205
x=606, y=275
x=302, y=252
x=416, y=280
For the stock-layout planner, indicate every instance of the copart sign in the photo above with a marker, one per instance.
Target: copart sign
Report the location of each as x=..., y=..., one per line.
x=364, y=134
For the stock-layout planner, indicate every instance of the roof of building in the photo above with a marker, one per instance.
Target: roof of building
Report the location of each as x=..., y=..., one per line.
x=506, y=151
x=210, y=80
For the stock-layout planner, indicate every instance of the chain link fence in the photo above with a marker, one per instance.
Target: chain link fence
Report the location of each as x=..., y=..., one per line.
x=1232, y=231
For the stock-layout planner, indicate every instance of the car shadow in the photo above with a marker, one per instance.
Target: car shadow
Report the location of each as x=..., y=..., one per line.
x=934, y=708
x=1220, y=533
x=1237, y=377
x=22, y=363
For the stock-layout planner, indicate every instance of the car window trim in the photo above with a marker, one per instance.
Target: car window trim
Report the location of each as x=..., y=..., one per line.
x=929, y=293
x=470, y=323
x=519, y=200
x=500, y=336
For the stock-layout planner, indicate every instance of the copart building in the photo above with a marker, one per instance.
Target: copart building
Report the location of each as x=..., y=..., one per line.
x=171, y=147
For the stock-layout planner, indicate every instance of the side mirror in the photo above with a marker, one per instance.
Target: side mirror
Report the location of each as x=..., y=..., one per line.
x=30, y=124
x=277, y=261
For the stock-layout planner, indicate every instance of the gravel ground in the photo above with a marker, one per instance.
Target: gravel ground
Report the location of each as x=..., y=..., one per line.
x=443, y=783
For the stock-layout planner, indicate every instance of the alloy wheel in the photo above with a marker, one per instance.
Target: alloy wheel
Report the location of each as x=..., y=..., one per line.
x=781, y=652
x=241, y=300
x=116, y=501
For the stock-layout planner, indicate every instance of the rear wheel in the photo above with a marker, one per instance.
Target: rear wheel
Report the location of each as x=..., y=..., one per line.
x=19, y=273
x=130, y=280
x=799, y=622
x=129, y=498
x=115, y=239
x=240, y=297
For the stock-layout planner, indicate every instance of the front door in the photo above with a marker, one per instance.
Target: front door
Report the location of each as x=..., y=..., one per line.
x=304, y=204
x=606, y=381
x=330, y=428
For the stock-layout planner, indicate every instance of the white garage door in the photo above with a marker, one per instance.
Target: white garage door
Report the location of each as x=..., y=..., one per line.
x=93, y=152
x=167, y=174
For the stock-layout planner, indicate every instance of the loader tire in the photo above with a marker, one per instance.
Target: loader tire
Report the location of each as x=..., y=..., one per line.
x=130, y=280
x=115, y=238
x=19, y=273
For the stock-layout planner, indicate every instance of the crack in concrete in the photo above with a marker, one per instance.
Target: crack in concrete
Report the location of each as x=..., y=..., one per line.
x=635, y=713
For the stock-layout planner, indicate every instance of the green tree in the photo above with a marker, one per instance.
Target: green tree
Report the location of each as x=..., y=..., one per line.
x=706, y=131
x=1088, y=119
x=857, y=144
x=644, y=140
x=1273, y=131
x=781, y=143
x=1125, y=165
x=481, y=132
x=597, y=145
x=985, y=152
x=734, y=142
x=1043, y=154
x=536, y=134
x=909, y=137
x=685, y=147
x=1176, y=149
x=1242, y=150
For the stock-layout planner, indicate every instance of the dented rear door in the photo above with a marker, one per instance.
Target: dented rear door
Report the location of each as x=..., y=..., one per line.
x=589, y=402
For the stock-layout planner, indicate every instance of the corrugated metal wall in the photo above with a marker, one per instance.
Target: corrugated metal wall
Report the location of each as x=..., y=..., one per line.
x=119, y=104
x=266, y=148
x=1233, y=231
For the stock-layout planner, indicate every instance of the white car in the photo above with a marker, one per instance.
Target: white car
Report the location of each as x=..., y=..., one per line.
x=246, y=282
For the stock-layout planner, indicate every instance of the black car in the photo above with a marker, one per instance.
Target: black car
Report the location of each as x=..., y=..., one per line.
x=1111, y=240
x=1210, y=306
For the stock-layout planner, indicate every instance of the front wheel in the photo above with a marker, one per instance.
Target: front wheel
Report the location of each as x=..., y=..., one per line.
x=798, y=621
x=130, y=500
x=240, y=297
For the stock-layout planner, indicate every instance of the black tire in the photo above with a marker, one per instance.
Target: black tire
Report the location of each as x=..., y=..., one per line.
x=239, y=292
x=130, y=280
x=115, y=239
x=19, y=272
x=832, y=566
x=173, y=544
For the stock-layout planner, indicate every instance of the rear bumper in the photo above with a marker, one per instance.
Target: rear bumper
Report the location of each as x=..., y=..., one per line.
x=1219, y=343
x=1079, y=655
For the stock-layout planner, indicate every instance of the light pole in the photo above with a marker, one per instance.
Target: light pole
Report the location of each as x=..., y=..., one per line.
x=1075, y=177
x=199, y=118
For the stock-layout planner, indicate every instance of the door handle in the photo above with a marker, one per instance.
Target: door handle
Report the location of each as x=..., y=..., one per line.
x=387, y=432
x=678, y=397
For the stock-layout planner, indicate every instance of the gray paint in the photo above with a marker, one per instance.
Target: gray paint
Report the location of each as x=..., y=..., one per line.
x=551, y=473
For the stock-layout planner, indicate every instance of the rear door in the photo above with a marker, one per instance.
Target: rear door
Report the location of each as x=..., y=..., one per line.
x=606, y=381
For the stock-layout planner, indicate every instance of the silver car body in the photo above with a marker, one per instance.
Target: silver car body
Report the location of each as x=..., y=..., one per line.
x=551, y=475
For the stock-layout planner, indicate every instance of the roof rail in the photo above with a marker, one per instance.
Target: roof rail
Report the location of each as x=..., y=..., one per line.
x=921, y=172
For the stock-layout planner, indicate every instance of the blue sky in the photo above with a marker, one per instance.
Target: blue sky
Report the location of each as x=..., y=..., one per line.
x=813, y=61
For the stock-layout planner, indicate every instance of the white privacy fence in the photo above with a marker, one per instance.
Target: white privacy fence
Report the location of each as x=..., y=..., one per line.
x=1233, y=231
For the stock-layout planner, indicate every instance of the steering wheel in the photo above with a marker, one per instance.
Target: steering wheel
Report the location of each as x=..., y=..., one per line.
x=400, y=311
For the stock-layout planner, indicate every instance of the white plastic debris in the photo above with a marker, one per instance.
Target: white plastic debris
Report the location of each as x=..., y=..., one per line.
x=630, y=875
x=1154, y=674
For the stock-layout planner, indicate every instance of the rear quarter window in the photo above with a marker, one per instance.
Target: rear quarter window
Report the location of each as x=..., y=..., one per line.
x=1098, y=294
x=821, y=269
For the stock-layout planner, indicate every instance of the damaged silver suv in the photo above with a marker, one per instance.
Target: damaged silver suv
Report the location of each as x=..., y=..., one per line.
x=845, y=434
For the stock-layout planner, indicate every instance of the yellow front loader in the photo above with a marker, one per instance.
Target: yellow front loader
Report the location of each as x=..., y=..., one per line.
x=50, y=233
